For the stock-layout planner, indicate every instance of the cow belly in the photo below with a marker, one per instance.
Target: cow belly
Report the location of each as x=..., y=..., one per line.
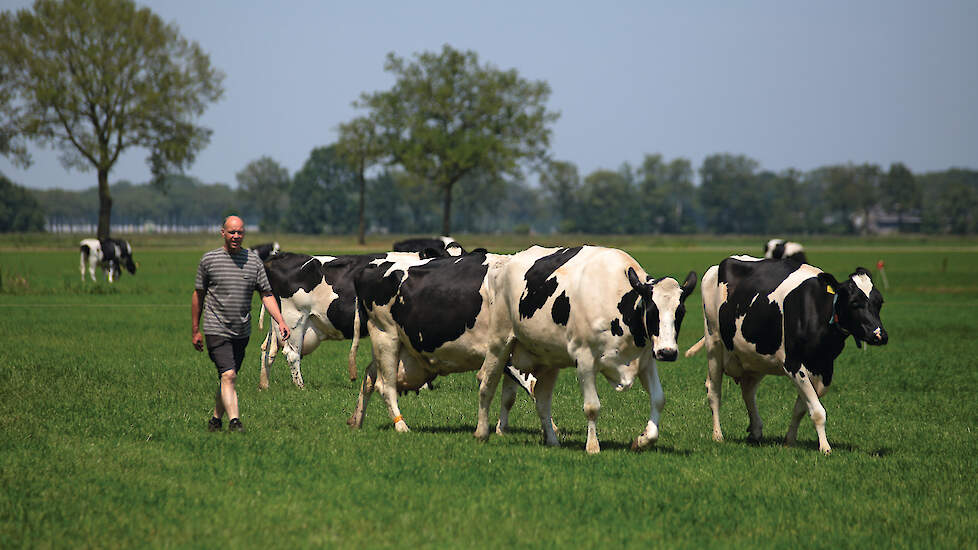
x=740, y=361
x=530, y=358
x=326, y=329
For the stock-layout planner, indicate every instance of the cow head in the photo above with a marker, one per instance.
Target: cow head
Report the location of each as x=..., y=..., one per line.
x=663, y=300
x=857, y=309
x=452, y=247
x=126, y=259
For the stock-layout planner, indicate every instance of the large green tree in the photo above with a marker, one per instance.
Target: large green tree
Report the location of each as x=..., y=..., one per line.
x=264, y=186
x=360, y=147
x=448, y=116
x=94, y=78
x=323, y=195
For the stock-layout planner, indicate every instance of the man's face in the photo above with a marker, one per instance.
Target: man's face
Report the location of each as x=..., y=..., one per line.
x=233, y=232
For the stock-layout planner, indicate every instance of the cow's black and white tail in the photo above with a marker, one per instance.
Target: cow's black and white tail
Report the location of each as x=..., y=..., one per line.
x=696, y=347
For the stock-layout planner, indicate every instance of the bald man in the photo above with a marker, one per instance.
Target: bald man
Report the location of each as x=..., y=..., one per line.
x=226, y=277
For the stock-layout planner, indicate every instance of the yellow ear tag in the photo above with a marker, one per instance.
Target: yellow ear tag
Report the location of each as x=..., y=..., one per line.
x=828, y=288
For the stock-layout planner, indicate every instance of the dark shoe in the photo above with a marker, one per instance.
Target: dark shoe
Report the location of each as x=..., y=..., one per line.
x=214, y=425
x=235, y=425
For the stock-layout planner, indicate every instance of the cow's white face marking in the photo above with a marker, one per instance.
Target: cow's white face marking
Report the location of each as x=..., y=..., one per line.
x=864, y=283
x=666, y=295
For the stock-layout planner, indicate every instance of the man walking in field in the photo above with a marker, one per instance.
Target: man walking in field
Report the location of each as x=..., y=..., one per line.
x=226, y=277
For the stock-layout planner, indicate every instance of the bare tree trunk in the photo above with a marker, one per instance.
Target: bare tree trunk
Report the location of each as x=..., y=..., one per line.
x=104, y=204
x=446, y=221
x=363, y=202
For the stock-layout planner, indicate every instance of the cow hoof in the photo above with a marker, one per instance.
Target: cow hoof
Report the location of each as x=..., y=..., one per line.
x=593, y=450
x=826, y=450
x=481, y=435
x=717, y=437
x=402, y=427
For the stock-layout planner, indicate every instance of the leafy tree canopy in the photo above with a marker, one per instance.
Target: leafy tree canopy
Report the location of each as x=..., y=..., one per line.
x=93, y=78
x=449, y=116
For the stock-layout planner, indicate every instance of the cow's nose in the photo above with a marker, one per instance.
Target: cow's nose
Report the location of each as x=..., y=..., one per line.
x=667, y=354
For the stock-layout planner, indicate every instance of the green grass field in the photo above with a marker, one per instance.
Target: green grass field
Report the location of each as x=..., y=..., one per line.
x=104, y=402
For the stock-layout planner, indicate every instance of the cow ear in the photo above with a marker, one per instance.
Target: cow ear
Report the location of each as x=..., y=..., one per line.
x=689, y=285
x=638, y=284
x=830, y=284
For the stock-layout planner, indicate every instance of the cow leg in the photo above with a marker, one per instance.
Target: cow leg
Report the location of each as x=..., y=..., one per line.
x=492, y=368
x=714, y=391
x=366, y=390
x=592, y=405
x=507, y=400
x=543, y=394
x=111, y=272
x=385, y=349
x=292, y=349
x=807, y=392
x=748, y=389
x=649, y=375
x=799, y=411
x=269, y=349
x=81, y=264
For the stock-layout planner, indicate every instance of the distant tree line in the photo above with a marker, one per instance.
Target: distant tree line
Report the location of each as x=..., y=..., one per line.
x=732, y=194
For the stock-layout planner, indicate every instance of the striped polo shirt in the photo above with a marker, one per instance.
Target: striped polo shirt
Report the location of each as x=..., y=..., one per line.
x=228, y=283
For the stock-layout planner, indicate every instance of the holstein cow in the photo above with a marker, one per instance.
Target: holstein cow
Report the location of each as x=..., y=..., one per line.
x=767, y=316
x=111, y=254
x=266, y=250
x=587, y=307
x=438, y=247
x=780, y=249
x=426, y=317
x=318, y=302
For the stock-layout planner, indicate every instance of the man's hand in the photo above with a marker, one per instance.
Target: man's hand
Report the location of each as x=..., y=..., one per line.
x=283, y=329
x=198, y=340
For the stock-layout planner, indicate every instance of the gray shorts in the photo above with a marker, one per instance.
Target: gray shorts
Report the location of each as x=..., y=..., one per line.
x=226, y=353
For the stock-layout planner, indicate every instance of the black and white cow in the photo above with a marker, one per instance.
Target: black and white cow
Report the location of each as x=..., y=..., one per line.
x=437, y=247
x=780, y=249
x=426, y=317
x=587, y=307
x=111, y=254
x=266, y=250
x=768, y=316
x=317, y=300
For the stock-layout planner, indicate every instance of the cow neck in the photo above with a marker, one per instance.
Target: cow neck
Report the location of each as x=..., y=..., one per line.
x=834, y=321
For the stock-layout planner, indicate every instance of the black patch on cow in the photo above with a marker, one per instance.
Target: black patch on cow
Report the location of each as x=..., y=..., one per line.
x=616, y=328
x=757, y=322
x=438, y=249
x=375, y=286
x=440, y=300
x=339, y=274
x=633, y=314
x=561, y=309
x=778, y=251
x=538, y=288
x=289, y=272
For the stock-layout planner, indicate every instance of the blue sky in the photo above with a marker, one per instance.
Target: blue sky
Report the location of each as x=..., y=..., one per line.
x=790, y=84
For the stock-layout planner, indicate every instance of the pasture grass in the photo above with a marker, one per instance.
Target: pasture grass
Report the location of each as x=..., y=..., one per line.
x=103, y=407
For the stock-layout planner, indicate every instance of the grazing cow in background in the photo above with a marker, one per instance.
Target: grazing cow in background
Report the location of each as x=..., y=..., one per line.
x=426, y=318
x=111, y=254
x=767, y=316
x=266, y=250
x=441, y=246
x=780, y=249
x=587, y=307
